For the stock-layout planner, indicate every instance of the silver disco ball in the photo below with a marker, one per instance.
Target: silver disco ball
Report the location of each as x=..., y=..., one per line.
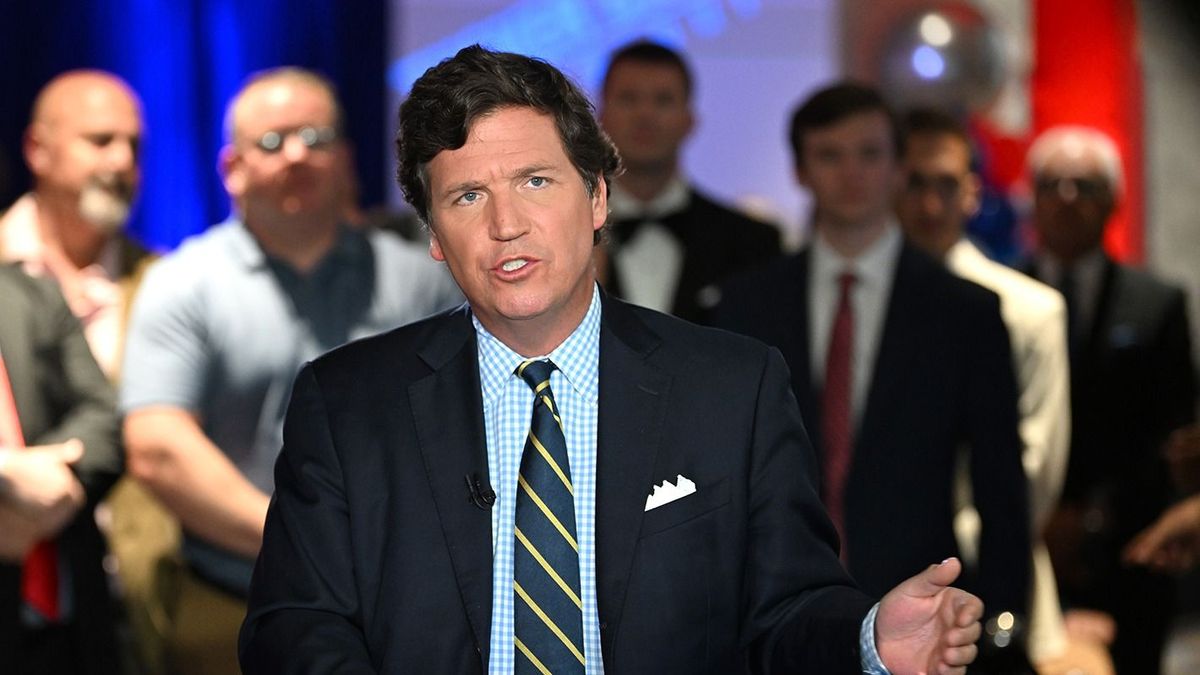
x=947, y=55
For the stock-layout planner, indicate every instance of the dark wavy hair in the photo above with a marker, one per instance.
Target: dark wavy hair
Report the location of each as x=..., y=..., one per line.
x=447, y=100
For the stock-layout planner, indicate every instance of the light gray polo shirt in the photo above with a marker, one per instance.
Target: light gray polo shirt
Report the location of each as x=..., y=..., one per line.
x=220, y=329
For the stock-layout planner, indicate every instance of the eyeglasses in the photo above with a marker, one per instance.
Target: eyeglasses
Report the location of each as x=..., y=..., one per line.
x=1071, y=187
x=943, y=185
x=313, y=138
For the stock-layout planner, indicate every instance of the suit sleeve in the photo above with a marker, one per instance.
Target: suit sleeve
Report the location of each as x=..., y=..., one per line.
x=997, y=475
x=1174, y=371
x=80, y=394
x=801, y=604
x=304, y=615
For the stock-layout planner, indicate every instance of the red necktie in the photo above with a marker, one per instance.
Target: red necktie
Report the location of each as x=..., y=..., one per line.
x=39, y=581
x=837, y=417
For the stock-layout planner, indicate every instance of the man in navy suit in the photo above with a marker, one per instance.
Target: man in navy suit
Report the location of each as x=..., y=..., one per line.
x=396, y=540
x=899, y=366
x=1132, y=384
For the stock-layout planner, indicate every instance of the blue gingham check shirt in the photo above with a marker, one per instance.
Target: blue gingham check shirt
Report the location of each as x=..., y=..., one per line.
x=507, y=412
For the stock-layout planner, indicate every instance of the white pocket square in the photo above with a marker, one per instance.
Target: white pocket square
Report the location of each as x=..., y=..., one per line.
x=669, y=492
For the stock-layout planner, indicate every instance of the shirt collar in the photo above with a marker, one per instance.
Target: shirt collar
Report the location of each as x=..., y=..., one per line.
x=350, y=247
x=674, y=198
x=21, y=240
x=873, y=266
x=1050, y=268
x=577, y=358
x=964, y=253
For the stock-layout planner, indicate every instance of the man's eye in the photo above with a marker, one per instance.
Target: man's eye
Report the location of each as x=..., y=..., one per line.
x=537, y=182
x=826, y=155
x=469, y=198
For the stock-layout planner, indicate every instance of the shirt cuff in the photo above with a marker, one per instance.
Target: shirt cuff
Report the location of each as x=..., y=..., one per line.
x=870, y=661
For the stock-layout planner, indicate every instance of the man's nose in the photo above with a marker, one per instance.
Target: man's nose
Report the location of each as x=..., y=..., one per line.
x=506, y=222
x=121, y=155
x=294, y=148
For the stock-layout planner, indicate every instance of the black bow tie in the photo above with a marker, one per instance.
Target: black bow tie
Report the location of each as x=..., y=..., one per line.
x=623, y=229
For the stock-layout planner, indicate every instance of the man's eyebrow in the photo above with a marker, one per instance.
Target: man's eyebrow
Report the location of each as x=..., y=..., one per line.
x=523, y=172
x=533, y=170
x=465, y=186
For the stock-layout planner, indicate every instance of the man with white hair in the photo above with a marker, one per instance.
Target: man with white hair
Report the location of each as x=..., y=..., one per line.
x=1132, y=383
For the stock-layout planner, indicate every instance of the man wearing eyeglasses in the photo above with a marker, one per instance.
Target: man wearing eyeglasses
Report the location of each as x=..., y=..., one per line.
x=1132, y=383
x=223, y=324
x=939, y=195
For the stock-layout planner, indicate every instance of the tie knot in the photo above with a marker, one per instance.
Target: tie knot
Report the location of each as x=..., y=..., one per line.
x=846, y=280
x=535, y=372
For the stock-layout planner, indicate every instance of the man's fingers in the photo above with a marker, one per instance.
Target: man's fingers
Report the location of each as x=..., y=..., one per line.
x=71, y=451
x=963, y=634
x=933, y=579
x=959, y=656
x=968, y=609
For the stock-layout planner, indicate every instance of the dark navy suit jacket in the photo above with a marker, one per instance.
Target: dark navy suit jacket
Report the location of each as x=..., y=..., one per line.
x=942, y=381
x=375, y=559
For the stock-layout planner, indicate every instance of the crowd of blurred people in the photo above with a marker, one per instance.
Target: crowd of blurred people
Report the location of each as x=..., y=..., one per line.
x=1036, y=422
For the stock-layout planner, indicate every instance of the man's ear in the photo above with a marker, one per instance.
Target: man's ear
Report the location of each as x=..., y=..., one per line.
x=37, y=154
x=232, y=170
x=972, y=195
x=435, y=246
x=692, y=122
x=800, y=174
x=600, y=204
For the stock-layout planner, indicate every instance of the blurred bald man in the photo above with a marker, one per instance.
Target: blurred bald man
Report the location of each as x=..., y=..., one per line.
x=82, y=149
x=1132, y=384
x=223, y=323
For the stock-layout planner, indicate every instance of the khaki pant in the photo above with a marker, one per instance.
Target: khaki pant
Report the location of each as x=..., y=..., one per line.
x=181, y=625
x=204, y=631
x=143, y=538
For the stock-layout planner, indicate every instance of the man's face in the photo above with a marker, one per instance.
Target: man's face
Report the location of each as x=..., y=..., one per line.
x=1072, y=202
x=286, y=159
x=512, y=219
x=85, y=150
x=850, y=168
x=940, y=191
x=646, y=113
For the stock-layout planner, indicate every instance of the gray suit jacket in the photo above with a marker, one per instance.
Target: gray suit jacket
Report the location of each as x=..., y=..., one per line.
x=60, y=393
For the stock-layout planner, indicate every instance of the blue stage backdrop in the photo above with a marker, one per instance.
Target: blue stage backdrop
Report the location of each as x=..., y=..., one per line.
x=186, y=58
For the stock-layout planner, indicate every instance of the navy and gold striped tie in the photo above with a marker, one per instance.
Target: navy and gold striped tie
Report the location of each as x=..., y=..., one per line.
x=548, y=613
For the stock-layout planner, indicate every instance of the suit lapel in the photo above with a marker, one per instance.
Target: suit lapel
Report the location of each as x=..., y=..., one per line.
x=800, y=360
x=633, y=403
x=448, y=412
x=899, y=340
x=1096, y=341
x=17, y=341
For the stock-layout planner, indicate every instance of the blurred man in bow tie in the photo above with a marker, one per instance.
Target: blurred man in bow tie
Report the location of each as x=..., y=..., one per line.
x=670, y=244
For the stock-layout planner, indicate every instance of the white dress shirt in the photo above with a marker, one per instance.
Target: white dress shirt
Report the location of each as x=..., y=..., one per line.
x=874, y=269
x=649, y=264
